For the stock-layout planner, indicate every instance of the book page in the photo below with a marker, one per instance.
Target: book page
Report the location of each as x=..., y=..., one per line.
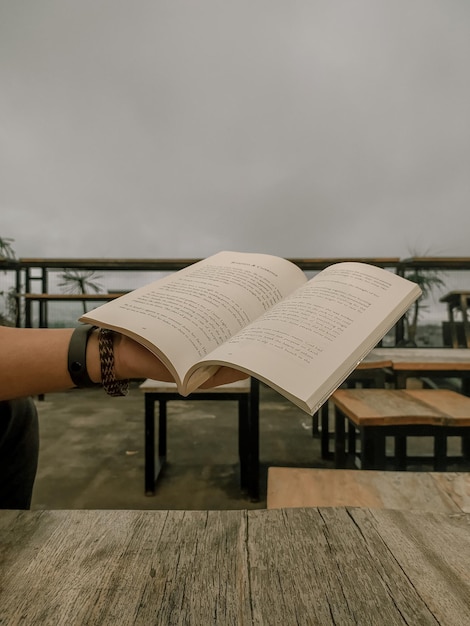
x=316, y=336
x=183, y=317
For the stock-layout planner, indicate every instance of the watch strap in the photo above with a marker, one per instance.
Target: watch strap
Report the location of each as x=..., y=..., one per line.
x=77, y=356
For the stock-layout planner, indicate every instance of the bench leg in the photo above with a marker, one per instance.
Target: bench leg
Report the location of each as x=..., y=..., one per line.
x=153, y=463
x=466, y=447
x=400, y=453
x=372, y=448
x=315, y=422
x=325, y=432
x=340, y=451
x=351, y=440
x=244, y=442
x=379, y=448
x=440, y=452
x=253, y=438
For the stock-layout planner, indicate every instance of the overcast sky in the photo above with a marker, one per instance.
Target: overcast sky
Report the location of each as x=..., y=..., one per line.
x=175, y=128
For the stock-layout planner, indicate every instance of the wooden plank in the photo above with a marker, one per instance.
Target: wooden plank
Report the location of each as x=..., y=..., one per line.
x=452, y=404
x=456, y=485
x=293, y=566
x=319, y=566
x=382, y=407
x=425, y=359
x=105, y=567
x=433, y=551
x=306, y=487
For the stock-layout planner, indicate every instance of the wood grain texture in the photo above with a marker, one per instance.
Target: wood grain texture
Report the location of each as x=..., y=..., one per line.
x=382, y=407
x=342, y=566
x=409, y=491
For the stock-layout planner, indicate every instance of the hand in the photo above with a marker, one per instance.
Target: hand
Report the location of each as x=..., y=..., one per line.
x=133, y=360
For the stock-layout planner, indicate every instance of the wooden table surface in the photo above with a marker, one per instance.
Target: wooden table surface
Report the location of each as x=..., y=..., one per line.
x=289, y=566
x=423, y=358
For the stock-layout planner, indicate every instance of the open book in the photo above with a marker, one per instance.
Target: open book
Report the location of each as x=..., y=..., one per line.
x=260, y=314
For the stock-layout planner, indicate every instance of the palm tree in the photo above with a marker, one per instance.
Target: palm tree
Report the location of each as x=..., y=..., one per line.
x=8, y=316
x=82, y=282
x=6, y=250
x=427, y=280
x=8, y=298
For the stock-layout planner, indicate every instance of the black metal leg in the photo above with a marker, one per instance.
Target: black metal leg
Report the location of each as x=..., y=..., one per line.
x=253, y=416
x=243, y=441
x=340, y=453
x=153, y=462
x=368, y=443
x=440, y=452
x=379, y=440
x=466, y=447
x=351, y=440
x=315, y=421
x=162, y=423
x=149, y=444
x=400, y=453
x=325, y=432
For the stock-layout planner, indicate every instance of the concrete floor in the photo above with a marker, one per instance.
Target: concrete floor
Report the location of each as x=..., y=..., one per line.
x=92, y=452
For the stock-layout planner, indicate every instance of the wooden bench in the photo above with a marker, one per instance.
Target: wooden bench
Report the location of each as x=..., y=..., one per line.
x=371, y=372
x=438, y=492
x=398, y=413
x=44, y=298
x=245, y=392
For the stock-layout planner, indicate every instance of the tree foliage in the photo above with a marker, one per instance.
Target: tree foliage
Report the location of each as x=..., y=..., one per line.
x=81, y=282
x=6, y=248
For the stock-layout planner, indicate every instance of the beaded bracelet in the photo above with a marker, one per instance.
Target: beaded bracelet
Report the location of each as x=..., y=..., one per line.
x=112, y=386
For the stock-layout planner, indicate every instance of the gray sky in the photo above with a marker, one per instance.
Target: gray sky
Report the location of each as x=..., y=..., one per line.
x=177, y=128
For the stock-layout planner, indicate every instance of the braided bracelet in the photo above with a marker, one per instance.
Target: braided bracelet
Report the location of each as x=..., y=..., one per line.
x=112, y=386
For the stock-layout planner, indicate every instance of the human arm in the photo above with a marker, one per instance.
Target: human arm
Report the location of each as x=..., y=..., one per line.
x=34, y=361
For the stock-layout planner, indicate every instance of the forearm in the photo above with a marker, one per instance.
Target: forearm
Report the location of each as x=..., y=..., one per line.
x=33, y=361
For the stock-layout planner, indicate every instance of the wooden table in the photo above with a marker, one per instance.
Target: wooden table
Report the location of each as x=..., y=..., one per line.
x=244, y=392
x=398, y=413
x=371, y=372
x=405, y=363
x=436, y=492
x=432, y=362
x=289, y=566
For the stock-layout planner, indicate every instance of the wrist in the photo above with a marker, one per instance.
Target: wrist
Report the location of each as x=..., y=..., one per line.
x=79, y=363
x=93, y=357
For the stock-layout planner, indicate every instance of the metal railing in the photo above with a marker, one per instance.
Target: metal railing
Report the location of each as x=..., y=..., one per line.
x=35, y=279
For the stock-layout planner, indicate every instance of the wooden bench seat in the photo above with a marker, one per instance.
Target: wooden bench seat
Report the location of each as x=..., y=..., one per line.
x=379, y=413
x=447, y=492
